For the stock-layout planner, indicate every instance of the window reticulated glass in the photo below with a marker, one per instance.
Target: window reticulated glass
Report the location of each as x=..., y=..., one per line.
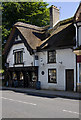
x=18, y=57
x=52, y=57
x=52, y=76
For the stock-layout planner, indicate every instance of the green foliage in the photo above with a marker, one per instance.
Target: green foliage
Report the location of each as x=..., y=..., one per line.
x=22, y=0
x=1, y=71
x=35, y=13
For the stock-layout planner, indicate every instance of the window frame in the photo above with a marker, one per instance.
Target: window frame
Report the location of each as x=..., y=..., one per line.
x=48, y=56
x=56, y=76
x=17, y=38
x=21, y=59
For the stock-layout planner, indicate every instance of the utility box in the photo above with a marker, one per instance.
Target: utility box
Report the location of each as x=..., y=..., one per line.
x=38, y=85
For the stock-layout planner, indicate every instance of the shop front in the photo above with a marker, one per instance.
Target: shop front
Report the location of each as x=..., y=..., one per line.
x=79, y=73
x=22, y=76
x=78, y=53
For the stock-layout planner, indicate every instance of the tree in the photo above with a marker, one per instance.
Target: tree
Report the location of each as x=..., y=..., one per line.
x=35, y=13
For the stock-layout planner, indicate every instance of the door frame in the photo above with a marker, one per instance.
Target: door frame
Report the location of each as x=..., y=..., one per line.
x=66, y=79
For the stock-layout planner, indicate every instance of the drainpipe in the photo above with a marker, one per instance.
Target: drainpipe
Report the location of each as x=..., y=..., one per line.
x=35, y=58
x=36, y=61
x=77, y=44
x=76, y=73
x=75, y=24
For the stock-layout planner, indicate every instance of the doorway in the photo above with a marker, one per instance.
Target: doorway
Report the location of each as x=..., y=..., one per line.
x=69, y=79
x=26, y=79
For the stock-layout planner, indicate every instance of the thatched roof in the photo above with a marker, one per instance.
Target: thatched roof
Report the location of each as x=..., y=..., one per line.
x=31, y=35
x=62, y=36
x=77, y=16
x=41, y=38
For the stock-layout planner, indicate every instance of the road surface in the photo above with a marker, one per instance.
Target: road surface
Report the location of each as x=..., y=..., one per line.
x=21, y=105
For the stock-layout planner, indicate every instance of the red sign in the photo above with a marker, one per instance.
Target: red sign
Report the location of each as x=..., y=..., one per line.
x=79, y=59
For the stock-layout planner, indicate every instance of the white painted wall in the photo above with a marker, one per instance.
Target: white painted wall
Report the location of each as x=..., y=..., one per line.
x=78, y=26
x=66, y=56
x=68, y=59
x=78, y=33
x=27, y=58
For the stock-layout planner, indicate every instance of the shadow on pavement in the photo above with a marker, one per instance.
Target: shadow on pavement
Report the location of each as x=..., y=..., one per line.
x=41, y=94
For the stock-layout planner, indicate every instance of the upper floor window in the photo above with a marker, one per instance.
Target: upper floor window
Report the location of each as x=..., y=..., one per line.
x=51, y=56
x=18, y=57
x=18, y=38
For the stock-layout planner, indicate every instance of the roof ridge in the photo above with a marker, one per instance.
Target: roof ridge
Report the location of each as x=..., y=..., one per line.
x=66, y=20
x=30, y=26
x=62, y=22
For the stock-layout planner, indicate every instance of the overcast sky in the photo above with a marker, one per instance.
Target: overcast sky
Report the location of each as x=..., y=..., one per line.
x=67, y=9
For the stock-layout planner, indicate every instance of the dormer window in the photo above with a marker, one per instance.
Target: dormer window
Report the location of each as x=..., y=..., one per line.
x=17, y=38
x=52, y=56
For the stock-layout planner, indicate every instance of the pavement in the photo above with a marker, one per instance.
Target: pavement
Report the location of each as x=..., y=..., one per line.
x=46, y=93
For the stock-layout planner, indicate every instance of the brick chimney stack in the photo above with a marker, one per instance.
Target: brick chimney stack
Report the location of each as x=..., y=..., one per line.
x=54, y=15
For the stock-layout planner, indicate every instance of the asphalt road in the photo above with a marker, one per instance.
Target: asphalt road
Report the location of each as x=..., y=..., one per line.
x=21, y=105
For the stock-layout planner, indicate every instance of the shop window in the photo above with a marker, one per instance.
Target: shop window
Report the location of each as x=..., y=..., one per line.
x=14, y=76
x=52, y=76
x=34, y=77
x=51, y=56
x=80, y=72
x=21, y=76
x=18, y=57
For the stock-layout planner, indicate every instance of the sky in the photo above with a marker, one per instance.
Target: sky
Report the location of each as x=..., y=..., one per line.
x=67, y=9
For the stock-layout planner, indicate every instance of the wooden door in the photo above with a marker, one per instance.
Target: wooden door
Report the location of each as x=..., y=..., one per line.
x=69, y=79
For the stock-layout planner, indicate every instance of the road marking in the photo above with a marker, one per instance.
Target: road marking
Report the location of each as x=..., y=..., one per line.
x=69, y=100
x=18, y=101
x=72, y=112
